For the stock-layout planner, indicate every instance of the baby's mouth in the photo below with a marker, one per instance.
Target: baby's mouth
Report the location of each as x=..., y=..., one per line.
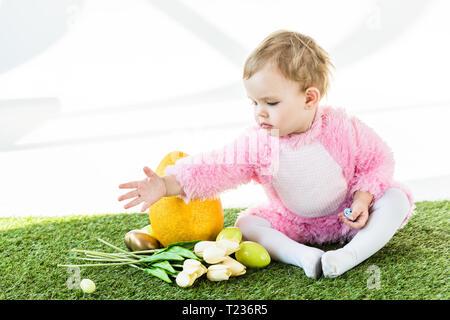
x=265, y=126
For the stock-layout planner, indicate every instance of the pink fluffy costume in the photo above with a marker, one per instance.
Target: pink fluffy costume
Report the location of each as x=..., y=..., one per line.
x=308, y=177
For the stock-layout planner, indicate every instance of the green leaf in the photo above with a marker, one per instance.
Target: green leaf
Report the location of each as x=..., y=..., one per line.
x=184, y=244
x=175, y=274
x=162, y=256
x=183, y=252
x=164, y=265
x=159, y=250
x=159, y=273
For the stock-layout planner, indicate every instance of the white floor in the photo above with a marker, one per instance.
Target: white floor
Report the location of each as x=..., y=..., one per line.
x=129, y=81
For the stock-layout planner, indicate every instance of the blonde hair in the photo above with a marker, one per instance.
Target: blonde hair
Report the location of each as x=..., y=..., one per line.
x=297, y=56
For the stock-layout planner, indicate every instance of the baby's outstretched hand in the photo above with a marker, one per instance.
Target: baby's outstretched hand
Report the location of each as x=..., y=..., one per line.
x=149, y=190
x=359, y=215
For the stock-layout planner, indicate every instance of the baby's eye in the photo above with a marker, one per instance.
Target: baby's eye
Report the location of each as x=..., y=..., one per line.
x=272, y=103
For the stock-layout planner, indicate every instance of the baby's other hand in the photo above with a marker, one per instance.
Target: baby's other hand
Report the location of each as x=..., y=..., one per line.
x=149, y=190
x=360, y=215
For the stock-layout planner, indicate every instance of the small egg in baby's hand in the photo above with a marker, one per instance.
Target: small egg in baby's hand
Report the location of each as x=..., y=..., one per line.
x=347, y=214
x=87, y=285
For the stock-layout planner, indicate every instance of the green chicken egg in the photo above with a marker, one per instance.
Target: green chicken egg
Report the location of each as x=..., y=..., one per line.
x=252, y=255
x=230, y=233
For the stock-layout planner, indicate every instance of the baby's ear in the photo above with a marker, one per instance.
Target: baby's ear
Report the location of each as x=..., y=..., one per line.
x=312, y=97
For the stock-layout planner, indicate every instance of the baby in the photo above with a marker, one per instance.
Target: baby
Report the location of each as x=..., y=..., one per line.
x=312, y=161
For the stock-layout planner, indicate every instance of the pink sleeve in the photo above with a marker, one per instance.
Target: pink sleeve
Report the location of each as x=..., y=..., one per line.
x=203, y=176
x=374, y=162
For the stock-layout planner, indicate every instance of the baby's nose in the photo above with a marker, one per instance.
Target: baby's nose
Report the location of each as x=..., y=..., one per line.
x=262, y=114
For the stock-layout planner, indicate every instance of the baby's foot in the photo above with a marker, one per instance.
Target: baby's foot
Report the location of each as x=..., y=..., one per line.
x=310, y=261
x=312, y=264
x=336, y=262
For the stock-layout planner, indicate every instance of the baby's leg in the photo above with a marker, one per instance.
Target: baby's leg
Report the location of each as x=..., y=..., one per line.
x=388, y=214
x=280, y=246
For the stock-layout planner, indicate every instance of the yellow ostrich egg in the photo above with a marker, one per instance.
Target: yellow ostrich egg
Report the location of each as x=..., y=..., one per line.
x=173, y=220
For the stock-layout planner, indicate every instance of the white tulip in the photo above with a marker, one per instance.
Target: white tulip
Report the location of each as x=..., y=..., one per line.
x=194, y=266
x=203, y=270
x=201, y=246
x=218, y=272
x=230, y=246
x=185, y=279
x=237, y=268
x=214, y=254
x=191, y=263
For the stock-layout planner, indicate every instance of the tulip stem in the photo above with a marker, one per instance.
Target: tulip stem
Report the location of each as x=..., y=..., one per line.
x=144, y=251
x=96, y=254
x=96, y=264
x=121, y=250
x=106, y=260
x=133, y=265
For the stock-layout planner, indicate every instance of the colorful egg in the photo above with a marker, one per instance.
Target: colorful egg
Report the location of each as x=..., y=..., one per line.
x=230, y=233
x=252, y=255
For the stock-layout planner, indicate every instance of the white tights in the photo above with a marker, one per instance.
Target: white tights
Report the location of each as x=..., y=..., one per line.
x=387, y=214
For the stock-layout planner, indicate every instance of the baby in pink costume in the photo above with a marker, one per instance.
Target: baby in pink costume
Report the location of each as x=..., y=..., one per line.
x=311, y=162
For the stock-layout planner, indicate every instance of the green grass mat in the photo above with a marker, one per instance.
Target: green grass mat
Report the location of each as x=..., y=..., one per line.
x=413, y=265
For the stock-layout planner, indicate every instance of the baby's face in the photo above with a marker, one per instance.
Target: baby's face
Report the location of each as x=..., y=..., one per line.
x=278, y=102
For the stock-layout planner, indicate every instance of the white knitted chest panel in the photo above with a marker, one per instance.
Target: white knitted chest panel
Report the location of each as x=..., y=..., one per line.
x=309, y=182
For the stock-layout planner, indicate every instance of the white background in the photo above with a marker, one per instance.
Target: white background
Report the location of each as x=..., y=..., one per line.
x=92, y=91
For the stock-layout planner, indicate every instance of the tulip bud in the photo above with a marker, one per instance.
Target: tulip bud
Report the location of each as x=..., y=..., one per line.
x=191, y=263
x=194, y=266
x=218, y=272
x=200, y=247
x=237, y=268
x=230, y=246
x=184, y=279
x=203, y=270
x=214, y=254
x=192, y=269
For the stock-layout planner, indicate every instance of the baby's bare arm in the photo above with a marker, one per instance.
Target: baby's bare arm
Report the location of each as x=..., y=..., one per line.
x=173, y=187
x=150, y=189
